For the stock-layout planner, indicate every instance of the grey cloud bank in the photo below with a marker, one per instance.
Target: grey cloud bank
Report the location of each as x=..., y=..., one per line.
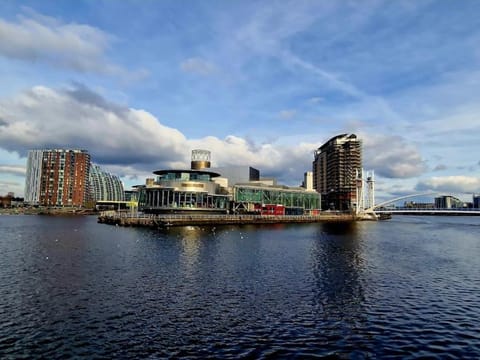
x=120, y=136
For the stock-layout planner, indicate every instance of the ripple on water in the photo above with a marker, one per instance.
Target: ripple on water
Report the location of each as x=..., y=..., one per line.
x=359, y=291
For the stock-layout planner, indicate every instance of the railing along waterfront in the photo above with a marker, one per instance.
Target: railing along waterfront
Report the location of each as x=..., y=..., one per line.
x=140, y=219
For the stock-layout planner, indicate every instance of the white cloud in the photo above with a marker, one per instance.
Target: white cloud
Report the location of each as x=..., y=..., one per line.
x=12, y=169
x=7, y=186
x=79, y=47
x=198, y=66
x=78, y=117
x=287, y=114
x=392, y=156
x=127, y=140
x=133, y=142
x=451, y=184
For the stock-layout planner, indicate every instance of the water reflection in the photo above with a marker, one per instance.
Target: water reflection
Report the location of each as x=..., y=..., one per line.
x=337, y=262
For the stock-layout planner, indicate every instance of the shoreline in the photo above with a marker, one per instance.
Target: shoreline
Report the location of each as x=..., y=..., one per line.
x=165, y=221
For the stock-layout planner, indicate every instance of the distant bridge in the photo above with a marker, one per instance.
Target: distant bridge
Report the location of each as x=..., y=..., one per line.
x=371, y=212
x=413, y=211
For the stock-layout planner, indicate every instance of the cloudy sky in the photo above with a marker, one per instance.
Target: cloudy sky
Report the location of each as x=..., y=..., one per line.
x=262, y=83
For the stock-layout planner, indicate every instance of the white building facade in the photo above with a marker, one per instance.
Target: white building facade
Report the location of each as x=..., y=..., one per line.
x=105, y=186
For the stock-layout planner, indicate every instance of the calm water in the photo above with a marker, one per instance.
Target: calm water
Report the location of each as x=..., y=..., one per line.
x=407, y=287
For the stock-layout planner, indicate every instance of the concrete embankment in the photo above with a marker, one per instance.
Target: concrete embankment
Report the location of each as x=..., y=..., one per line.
x=160, y=221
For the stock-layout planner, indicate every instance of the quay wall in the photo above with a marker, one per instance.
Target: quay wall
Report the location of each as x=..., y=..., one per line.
x=160, y=221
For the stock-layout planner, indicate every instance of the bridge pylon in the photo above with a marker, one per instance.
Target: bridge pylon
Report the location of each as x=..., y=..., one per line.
x=365, y=193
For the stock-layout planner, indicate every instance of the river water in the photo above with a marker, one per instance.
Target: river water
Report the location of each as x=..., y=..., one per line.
x=407, y=287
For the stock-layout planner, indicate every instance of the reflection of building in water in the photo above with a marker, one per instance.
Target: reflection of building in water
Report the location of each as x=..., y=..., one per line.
x=337, y=262
x=239, y=189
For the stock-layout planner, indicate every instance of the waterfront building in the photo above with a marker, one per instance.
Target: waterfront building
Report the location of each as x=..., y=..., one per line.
x=258, y=197
x=57, y=177
x=130, y=195
x=448, y=202
x=183, y=191
x=418, y=205
x=240, y=190
x=335, y=168
x=105, y=186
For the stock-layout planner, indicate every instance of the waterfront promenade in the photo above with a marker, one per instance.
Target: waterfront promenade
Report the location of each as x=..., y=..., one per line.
x=167, y=220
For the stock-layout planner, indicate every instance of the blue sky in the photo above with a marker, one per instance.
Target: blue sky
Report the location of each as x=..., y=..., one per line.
x=262, y=83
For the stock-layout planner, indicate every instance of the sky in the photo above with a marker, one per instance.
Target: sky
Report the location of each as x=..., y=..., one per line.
x=140, y=84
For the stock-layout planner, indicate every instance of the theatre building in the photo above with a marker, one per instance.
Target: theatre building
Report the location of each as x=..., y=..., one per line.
x=177, y=191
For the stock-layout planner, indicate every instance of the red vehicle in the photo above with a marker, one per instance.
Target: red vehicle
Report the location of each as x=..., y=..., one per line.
x=271, y=209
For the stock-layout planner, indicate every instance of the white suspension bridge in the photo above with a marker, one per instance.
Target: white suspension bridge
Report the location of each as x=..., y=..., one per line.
x=368, y=209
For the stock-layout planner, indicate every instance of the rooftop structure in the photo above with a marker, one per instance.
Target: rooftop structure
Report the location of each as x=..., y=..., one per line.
x=238, y=174
x=200, y=159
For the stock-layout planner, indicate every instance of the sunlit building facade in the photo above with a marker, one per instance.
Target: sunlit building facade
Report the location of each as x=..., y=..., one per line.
x=57, y=177
x=105, y=186
x=448, y=202
x=252, y=197
x=175, y=191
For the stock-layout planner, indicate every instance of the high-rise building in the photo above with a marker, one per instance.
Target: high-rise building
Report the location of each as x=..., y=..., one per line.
x=448, y=202
x=33, y=177
x=57, y=177
x=105, y=186
x=476, y=201
x=308, y=180
x=335, y=169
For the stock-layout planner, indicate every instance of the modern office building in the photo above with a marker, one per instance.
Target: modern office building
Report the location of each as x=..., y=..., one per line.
x=57, y=177
x=476, y=201
x=256, y=197
x=335, y=170
x=105, y=186
x=448, y=202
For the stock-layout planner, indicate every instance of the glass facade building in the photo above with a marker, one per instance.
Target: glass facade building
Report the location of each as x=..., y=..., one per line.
x=183, y=191
x=246, y=197
x=105, y=186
